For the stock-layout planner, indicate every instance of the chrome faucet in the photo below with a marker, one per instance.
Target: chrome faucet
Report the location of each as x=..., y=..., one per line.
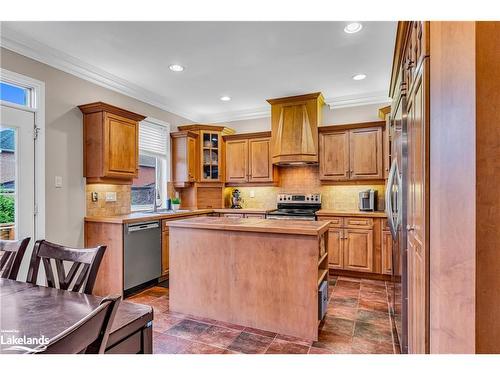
x=156, y=198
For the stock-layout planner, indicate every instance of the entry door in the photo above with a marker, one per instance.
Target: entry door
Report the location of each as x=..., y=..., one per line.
x=17, y=166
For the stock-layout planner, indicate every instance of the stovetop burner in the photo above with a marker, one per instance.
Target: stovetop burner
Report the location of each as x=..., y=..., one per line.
x=296, y=206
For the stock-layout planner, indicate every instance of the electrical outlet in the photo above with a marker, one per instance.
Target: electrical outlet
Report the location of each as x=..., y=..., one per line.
x=111, y=196
x=94, y=196
x=252, y=193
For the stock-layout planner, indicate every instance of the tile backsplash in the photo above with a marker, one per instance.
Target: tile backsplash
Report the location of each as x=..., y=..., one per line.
x=103, y=208
x=306, y=180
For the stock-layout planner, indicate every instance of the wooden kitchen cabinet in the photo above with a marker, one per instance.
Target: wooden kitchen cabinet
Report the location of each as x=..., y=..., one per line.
x=184, y=157
x=237, y=160
x=248, y=159
x=334, y=155
x=260, y=166
x=386, y=252
x=164, y=250
x=365, y=154
x=335, y=248
x=358, y=250
x=111, y=143
x=351, y=152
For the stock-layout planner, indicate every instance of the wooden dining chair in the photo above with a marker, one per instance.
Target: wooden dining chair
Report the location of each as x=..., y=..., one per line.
x=89, y=335
x=80, y=277
x=11, y=255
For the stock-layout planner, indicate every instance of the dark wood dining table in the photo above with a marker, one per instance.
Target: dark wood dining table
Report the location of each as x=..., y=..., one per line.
x=28, y=310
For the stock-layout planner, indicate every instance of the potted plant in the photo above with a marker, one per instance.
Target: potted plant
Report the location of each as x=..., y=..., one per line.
x=176, y=202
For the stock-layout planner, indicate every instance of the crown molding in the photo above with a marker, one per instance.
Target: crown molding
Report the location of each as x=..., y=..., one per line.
x=249, y=114
x=55, y=58
x=376, y=97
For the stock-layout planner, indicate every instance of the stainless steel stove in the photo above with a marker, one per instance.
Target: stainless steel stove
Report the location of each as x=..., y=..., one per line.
x=296, y=207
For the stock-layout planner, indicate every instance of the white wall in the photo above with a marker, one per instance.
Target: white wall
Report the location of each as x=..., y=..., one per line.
x=338, y=116
x=65, y=207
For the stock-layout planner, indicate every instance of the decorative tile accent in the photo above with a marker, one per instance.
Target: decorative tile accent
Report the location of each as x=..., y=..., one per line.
x=304, y=180
x=103, y=208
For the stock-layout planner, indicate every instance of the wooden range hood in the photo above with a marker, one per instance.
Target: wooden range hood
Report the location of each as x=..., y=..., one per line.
x=294, y=124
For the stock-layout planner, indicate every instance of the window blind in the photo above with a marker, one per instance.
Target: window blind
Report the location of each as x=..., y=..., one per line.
x=153, y=139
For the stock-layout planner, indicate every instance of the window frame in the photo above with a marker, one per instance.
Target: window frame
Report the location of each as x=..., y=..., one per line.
x=162, y=172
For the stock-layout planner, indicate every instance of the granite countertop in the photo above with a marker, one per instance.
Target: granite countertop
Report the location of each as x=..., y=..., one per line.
x=328, y=212
x=136, y=217
x=291, y=227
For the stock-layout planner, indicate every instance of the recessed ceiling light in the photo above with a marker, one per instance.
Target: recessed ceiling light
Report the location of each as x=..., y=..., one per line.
x=353, y=27
x=359, y=77
x=176, y=68
x=225, y=98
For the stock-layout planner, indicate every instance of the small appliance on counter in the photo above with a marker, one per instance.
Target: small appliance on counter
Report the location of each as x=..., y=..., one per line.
x=368, y=200
x=236, y=199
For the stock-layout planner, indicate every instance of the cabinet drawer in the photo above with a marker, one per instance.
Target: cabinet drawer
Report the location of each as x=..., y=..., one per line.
x=335, y=222
x=256, y=216
x=358, y=222
x=234, y=216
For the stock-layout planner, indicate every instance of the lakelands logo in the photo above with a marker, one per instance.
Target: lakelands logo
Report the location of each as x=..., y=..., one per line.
x=10, y=341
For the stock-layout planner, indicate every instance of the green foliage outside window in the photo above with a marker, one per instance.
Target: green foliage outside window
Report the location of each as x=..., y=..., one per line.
x=6, y=208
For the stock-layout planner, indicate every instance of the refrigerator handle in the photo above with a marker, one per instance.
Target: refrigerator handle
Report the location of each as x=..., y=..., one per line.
x=388, y=198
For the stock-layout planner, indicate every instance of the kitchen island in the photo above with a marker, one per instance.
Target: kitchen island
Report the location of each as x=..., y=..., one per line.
x=254, y=272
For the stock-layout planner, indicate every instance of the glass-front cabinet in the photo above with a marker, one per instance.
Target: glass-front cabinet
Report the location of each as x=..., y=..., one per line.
x=211, y=156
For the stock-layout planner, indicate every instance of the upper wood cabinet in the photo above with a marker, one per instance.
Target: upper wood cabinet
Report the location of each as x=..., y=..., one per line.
x=334, y=155
x=351, y=153
x=365, y=154
x=294, y=125
x=210, y=151
x=184, y=157
x=248, y=158
x=111, y=143
x=237, y=160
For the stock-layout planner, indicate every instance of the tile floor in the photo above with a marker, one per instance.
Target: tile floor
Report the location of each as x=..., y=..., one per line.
x=357, y=321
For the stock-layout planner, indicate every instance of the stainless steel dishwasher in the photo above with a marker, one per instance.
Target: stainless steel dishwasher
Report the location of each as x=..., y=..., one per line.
x=142, y=253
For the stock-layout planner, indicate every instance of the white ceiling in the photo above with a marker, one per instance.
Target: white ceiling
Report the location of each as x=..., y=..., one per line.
x=249, y=61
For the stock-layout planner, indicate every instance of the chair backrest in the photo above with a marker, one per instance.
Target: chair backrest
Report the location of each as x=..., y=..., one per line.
x=11, y=255
x=80, y=277
x=89, y=335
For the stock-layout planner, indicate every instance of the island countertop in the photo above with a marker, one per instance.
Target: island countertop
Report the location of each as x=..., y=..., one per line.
x=311, y=228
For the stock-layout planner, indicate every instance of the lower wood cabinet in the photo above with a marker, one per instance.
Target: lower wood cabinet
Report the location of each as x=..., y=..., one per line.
x=234, y=216
x=358, y=250
x=386, y=252
x=335, y=248
x=164, y=250
x=360, y=244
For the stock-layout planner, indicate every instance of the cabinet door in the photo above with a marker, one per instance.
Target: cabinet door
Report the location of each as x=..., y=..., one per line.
x=259, y=160
x=365, y=148
x=191, y=157
x=334, y=155
x=418, y=305
x=335, y=248
x=120, y=146
x=164, y=251
x=358, y=250
x=210, y=156
x=386, y=252
x=237, y=160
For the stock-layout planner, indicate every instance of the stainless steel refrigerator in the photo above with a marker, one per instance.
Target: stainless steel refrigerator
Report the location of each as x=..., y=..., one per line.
x=396, y=208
